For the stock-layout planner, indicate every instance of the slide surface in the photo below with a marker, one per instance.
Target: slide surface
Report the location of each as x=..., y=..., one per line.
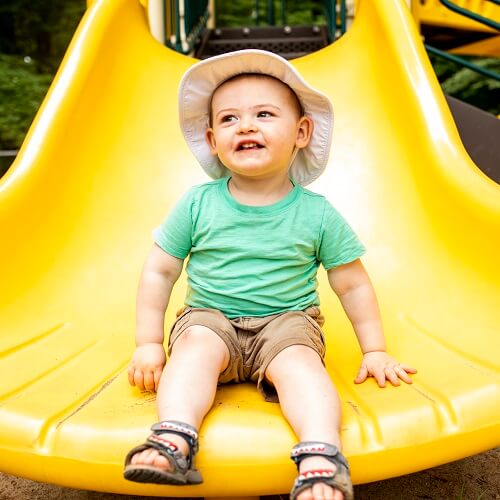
x=103, y=164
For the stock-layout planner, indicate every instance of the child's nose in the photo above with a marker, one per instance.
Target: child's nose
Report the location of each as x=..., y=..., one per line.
x=247, y=125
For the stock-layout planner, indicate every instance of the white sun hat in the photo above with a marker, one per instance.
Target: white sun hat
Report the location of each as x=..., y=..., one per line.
x=201, y=80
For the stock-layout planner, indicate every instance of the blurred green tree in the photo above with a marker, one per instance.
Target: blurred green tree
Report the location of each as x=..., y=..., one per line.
x=469, y=86
x=231, y=13
x=40, y=29
x=34, y=35
x=21, y=92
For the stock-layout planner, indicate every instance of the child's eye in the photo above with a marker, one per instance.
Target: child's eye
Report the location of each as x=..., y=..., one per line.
x=264, y=114
x=228, y=118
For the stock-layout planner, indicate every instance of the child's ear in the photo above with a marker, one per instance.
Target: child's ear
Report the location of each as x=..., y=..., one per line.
x=304, y=132
x=210, y=138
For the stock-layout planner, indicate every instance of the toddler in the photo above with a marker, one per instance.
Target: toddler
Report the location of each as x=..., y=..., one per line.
x=255, y=239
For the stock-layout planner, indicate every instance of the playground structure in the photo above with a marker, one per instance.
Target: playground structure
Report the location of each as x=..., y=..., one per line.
x=101, y=166
x=467, y=27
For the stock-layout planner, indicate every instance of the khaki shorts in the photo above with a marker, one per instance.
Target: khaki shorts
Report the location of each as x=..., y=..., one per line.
x=253, y=342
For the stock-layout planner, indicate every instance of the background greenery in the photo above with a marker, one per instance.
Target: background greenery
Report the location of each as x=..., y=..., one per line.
x=34, y=35
x=234, y=13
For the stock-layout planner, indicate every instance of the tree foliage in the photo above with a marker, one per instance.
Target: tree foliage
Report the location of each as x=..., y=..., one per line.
x=231, y=13
x=468, y=85
x=40, y=29
x=21, y=92
x=34, y=35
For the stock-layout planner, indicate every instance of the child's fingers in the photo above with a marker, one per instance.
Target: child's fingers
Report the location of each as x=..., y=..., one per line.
x=131, y=372
x=392, y=375
x=380, y=377
x=157, y=376
x=139, y=379
x=362, y=375
x=149, y=381
x=403, y=375
x=408, y=369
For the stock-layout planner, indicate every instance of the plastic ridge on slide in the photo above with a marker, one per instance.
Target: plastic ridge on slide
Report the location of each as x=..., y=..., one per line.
x=105, y=161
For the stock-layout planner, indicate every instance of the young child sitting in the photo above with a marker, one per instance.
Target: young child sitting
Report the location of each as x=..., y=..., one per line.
x=255, y=238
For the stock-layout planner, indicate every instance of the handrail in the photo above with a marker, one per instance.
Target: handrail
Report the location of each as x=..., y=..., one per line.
x=472, y=15
x=190, y=19
x=459, y=60
x=335, y=18
x=343, y=16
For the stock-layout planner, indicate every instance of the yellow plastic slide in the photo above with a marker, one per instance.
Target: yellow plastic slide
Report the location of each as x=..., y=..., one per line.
x=105, y=161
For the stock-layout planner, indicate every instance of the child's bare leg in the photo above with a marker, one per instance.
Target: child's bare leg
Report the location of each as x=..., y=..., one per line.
x=311, y=405
x=187, y=386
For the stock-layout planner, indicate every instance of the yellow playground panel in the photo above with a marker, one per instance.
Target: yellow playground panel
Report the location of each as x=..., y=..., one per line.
x=435, y=13
x=103, y=163
x=489, y=47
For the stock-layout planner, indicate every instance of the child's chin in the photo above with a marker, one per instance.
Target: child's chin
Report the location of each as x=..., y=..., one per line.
x=252, y=165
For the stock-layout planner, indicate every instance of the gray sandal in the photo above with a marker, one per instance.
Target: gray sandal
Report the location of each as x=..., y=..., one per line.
x=181, y=470
x=337, y=477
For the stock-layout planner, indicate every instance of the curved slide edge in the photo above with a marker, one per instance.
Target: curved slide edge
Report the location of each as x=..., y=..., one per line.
x=101, y=166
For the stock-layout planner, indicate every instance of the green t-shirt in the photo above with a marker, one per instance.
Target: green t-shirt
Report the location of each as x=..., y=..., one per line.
x=255, y=261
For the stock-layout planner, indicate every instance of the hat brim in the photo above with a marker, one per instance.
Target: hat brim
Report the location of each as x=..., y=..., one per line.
x=201, y=80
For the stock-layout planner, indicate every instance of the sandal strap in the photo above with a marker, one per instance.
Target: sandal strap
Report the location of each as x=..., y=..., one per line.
x=337, y=479
x=177, y=460
x=306, y=449
x=181, y=464
x=316, y=473
x=186, y=431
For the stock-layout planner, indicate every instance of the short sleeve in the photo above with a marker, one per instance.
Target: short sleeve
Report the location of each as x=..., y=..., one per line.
x=174, y=236
x=338, y=242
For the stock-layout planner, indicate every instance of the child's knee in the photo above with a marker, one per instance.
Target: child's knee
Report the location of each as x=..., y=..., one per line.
x=300, y=357
x=202, y=340
x=298, y=354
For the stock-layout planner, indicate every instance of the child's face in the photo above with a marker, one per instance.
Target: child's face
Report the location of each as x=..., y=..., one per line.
x=256, y=126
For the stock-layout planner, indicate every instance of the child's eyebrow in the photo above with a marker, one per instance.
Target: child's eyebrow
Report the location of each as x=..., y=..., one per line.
x=257, y=106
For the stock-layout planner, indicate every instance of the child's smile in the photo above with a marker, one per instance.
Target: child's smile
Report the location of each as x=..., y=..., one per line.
x=246, y=145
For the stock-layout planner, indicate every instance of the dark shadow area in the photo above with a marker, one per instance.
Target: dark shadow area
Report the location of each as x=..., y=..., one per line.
x=480, y=134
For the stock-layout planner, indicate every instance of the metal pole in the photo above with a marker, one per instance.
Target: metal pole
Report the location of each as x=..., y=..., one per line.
x=463, y=62
x=343, y=16
x=472, y=15
x=271, y=18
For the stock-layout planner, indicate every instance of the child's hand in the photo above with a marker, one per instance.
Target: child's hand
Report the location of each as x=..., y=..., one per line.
x=381, y=366
x=146, y=366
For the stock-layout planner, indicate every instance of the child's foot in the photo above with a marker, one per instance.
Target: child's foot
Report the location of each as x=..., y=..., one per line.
x=152, y=457
x=319, y=491
x=323, y=472
x=166, y=457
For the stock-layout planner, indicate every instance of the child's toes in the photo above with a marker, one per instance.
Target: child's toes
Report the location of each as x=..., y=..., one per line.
x=161, y=462
x=337, y=495
x=321, y=491
x=138, y=458
x=145, y=457
x=306, y=495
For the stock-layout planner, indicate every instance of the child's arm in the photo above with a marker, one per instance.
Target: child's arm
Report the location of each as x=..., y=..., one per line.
x=353, y=287
x=159, y=274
